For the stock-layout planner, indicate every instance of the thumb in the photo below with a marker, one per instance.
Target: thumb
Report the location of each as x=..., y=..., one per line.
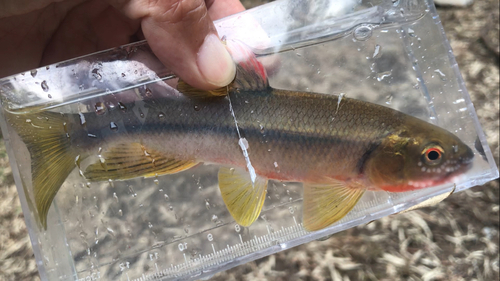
x=182, y=35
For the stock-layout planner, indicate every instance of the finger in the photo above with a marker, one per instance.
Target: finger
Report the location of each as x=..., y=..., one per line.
x=218, y=9
x=182, y=35
x=89, y=27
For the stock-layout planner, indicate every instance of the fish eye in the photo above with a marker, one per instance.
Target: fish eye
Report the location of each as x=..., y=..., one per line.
x=433, y=155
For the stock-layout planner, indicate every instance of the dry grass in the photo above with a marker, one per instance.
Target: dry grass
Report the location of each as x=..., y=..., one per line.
x=457, y=240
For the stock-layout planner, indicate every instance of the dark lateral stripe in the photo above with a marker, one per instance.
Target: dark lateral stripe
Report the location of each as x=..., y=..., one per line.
x=285, y=136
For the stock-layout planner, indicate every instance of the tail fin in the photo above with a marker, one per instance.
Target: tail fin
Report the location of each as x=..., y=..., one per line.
x=45, y=135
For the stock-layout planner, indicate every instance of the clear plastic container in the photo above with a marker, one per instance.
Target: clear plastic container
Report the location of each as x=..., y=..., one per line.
x=392, y=53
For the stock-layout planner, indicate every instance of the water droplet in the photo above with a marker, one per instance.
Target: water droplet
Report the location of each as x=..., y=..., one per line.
x=214, y=218
x=33, y=73
x=103, y=163
x=161, y=115
x=243, y=143
x=186, y=230
x=261, y=128
x=382, y=75
x=78, y=161
x=388, y=99
x=291, y=210
x=150, y=225
x=91, y=136
x=171, y=208
x=376, y=53
x=115, y=197
x=441, y=74
x=341, y=95
x=113, y=126
x=207, y=205
x=83, y=122
x=362, y=33
x=100, y=108
x=411, y=32
x=156, y=181
x=140, y=112
x=197, y=107
x=395, y=2
x=44, y=85
x=122, y=106
x=96, y=74
x=49, y=96
x=120, y=212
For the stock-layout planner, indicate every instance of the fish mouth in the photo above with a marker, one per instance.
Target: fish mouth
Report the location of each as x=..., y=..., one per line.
x=463, y=163
x=453, y=172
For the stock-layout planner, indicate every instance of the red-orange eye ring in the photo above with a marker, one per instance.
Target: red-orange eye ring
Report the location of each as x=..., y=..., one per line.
x=433, y=155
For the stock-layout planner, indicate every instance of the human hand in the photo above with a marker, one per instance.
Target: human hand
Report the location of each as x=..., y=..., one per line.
x=180, y=32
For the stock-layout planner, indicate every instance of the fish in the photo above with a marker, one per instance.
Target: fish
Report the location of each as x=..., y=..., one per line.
x=338, y=147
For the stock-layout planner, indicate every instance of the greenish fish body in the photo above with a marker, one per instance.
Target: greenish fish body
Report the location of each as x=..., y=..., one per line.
x=338, y=147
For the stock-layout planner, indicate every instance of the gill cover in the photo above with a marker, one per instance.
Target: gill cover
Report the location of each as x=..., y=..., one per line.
x=386, y=164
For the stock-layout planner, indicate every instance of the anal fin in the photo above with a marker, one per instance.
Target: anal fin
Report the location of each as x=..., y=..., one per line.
x=132, y=160
x=325, y=204
x=243, y=198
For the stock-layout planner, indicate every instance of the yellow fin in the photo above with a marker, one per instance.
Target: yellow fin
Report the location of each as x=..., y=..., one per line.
x=132, y=160
x=192, y=92
x=243, y=199
x=430, y=202
x=325, y=204
x=52, y=158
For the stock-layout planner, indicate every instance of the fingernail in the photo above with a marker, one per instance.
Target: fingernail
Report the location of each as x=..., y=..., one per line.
x=215, y=63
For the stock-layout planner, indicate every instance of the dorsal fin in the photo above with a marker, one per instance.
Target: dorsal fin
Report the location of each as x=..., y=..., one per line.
x=250, y=76
x=250, y=72
x=192, y=92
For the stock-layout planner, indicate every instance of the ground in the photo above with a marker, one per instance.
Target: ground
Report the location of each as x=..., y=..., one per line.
x=456, y=240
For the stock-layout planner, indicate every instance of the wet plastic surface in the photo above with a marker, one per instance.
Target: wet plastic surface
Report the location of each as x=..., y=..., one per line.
x=176, y=226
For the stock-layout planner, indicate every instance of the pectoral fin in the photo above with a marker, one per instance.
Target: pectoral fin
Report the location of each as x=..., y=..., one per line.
x=243, y=198
x=325, y=204
x=132, y=160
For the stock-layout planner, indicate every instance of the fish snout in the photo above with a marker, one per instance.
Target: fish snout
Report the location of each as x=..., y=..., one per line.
x=467, y=156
